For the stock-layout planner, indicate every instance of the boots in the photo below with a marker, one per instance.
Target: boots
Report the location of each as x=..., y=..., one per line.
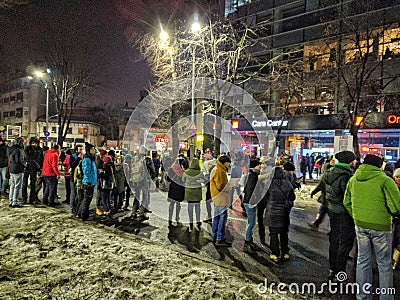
x=396, y=259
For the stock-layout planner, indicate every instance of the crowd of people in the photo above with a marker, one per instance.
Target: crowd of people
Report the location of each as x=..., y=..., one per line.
x=362, y=200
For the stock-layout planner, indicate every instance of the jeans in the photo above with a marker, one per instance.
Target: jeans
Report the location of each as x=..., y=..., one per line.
x=72, y=200
x=32, y=174
x=15, y=187
x=279, y=240
x=173, y=204
x=219, y=222
x=106, y=199
x=341, y=239
x=142, y=188
x=4, y=180
x=251, y=220
x=50, y=190
x=196, y=206
x=68, y=189
x=381, y=242
x=83, y=210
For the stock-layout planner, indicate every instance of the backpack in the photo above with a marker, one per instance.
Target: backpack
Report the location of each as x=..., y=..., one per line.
x=137, y=170
x=78, y=173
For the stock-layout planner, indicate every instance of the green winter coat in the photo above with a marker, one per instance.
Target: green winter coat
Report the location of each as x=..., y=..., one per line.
x=367, y=194
x=335, y=180
x=193, y=178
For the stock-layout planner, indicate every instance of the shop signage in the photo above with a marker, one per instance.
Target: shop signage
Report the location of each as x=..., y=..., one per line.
x=161, y=139
x=393, y=119
x=269, y=123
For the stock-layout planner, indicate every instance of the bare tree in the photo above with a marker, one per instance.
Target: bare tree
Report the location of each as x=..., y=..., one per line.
x=219, y=50
x=359, y=67
x=71, y=82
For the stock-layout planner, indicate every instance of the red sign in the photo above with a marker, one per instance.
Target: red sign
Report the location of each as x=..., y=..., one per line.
x=393, y=119
x=85, y=132
x=161, y=139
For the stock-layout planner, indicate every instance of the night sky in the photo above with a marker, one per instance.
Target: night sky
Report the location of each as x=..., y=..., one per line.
x=100, y=27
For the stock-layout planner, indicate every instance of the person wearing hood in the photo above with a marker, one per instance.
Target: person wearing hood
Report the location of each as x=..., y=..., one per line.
x=280, y=198
x=251, y=210
x=220, y=193
x=193, y=178
x=16, y=167
x=34, y=162
x=176, y=191
x=51, y=175
x=142, y=174
x=342, y=234
x=89, y=180
x=372, y=198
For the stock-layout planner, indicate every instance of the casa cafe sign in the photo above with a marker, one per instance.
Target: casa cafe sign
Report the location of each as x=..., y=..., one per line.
x=393, y=119
x=269, y=123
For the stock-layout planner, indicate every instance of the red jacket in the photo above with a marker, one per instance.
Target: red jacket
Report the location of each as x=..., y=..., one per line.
x=50, y=163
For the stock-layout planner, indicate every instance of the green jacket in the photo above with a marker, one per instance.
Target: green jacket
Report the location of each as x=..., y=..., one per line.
x=193, y=178
x=369, y=195
x=335, y=180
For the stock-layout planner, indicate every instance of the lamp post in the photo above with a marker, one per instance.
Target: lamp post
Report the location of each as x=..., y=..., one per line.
x=40, y=75
x=195, y=29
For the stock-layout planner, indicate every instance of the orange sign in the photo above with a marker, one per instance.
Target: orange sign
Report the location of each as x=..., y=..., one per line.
x=393, y=119
x=235, y=124
x=359, y=121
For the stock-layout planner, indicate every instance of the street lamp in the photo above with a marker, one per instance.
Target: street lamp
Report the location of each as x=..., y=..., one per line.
x=40, y=75
x=195, y=29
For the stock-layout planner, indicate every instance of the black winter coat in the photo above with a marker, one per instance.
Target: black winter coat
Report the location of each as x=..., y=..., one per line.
x=250, y=187
x=17, y=159
x=3, y=155
x=279, y=201
x=176, y=190
x=34, y=158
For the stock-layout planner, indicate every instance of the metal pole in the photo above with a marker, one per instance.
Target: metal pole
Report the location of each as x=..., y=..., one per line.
x=193, y=101
x=47, y=110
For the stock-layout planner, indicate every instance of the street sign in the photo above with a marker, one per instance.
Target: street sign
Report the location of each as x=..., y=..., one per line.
x=192, y=133
x=192, y=126
x=46, y=133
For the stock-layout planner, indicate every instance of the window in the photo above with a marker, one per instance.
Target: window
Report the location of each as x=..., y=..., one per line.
x=69, y=130
x=5, y=114
x=12, y=113
x=20, y=97
x=53, y=129
x=6, y=100
x=18, y=112
x=80, y=130
x=12, y=99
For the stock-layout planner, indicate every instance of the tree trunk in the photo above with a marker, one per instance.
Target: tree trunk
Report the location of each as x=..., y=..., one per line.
x=354, y=132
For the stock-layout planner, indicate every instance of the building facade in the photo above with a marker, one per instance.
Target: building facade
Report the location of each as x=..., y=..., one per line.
x=346, y=56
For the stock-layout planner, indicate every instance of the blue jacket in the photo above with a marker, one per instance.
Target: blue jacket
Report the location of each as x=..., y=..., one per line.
x=89, y=172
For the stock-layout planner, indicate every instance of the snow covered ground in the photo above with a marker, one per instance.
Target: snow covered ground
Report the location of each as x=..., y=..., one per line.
x=46, y=253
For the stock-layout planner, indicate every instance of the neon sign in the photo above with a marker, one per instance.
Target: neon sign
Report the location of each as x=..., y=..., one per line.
x=393, y=119
x=161, y=139
x=257, y=124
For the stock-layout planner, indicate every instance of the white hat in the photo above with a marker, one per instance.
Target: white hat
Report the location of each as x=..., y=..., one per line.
x=396, y=172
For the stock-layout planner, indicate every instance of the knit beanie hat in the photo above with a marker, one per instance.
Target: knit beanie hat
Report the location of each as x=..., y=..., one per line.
x=88, y=146
x=396, y=172
x=288, y=166
x=254, y=163
x=345, y=157
x=107, y=159
x=224, y=158
x=373, y=160
x=128, y=157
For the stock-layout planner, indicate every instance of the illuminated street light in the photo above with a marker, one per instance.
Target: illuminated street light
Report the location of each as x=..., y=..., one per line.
x=39, y=74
